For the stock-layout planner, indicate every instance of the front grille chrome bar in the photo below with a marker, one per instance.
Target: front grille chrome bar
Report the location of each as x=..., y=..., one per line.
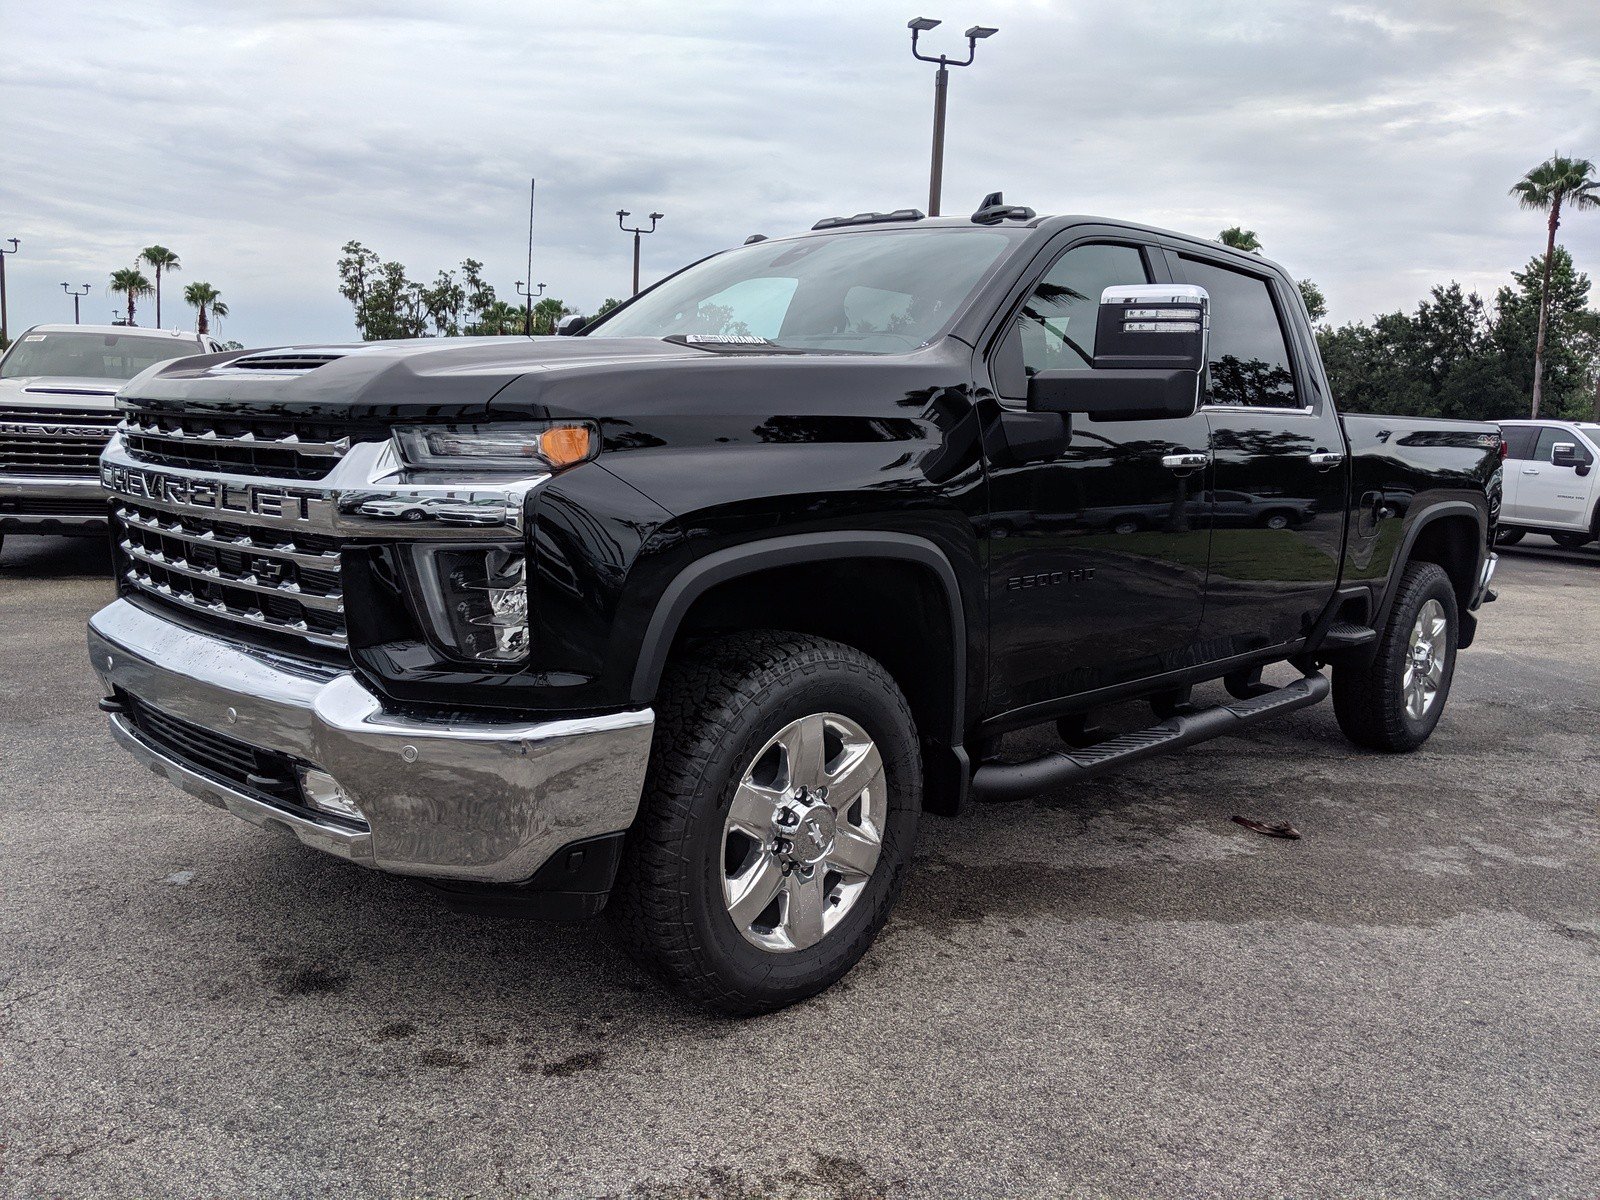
x=217, y=608
x=152, y=431
x=327, y=560
x=332, y=602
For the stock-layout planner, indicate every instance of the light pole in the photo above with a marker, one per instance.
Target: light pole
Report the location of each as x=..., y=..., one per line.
x=5, y=328
x=75, y=296
x=654, y=217
x=524, y=290
x=941, y=85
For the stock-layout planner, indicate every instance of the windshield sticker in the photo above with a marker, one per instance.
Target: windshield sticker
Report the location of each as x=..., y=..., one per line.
x=726, y=339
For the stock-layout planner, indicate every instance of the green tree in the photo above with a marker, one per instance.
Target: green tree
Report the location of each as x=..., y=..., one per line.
x=606, y=306
x=547, y=313
x=444, y=302
x=499, y=319
x=480, y=295
x=207, y=303
x=1240, y=239
x=130, y=282
x=159, y=259
x=1316, y=302
x=1544, y=324
x=1553, y=182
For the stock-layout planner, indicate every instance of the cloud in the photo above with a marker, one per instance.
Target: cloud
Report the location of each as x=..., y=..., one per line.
x=1370, y=146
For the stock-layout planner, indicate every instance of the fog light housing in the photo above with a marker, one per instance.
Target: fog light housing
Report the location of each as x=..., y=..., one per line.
x=323, y=793
x=475, y=600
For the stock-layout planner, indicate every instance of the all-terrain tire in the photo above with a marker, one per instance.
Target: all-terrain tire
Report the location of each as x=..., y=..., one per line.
x=1572, y=541
x=1509, y=537
x=1370, y=701
x=718, y=707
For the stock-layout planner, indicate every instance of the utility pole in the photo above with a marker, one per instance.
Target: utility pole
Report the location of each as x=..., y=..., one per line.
x=941, y=87
x=5, y=328
x=527, y=321
x=75, y=295
x=654, y=217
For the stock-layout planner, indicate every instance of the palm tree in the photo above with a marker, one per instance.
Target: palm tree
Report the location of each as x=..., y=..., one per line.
x=1556, y=181
x=161, y=259
x=131, y=282
x=1240, y=239
x=205, y=299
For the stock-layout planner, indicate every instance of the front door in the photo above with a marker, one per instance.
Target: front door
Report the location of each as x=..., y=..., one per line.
x=1552, y=495
x=1278, y=466
x=1097, y=554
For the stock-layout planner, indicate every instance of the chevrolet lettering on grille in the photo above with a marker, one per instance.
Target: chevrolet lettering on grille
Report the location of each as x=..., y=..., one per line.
x=205, y=495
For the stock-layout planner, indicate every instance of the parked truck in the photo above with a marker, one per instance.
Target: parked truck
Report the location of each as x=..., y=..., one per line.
x=692, y=616
x=56, y=415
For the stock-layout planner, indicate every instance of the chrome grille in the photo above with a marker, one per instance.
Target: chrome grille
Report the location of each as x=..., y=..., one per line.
x=57, y=441
x=252, y=575
x=278, y=449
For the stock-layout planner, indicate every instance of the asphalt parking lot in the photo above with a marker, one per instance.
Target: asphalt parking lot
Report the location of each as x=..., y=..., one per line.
x=1110, y=989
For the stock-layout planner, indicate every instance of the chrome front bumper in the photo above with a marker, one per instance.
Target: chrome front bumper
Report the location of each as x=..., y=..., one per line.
x=483, y=800
x=51, y=504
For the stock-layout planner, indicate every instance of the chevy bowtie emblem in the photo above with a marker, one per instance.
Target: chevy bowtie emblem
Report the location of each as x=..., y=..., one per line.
x=814, y=832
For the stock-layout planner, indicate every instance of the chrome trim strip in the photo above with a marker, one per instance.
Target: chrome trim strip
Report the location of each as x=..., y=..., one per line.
x=366, y=494
x=323, y=602
x=327, y=560
x=445, y=797
x=53, y=487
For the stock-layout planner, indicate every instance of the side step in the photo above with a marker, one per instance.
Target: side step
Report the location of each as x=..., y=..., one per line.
x=1342, y=635
x=1015, y=781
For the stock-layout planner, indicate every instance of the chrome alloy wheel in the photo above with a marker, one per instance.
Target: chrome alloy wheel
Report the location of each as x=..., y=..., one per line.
x=803, y=832
x=1419, y=684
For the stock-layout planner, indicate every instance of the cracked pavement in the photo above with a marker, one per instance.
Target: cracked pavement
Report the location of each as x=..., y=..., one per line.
x=1109, y=989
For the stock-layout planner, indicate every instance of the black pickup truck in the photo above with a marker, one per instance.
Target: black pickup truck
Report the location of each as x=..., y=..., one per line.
x=691, y=615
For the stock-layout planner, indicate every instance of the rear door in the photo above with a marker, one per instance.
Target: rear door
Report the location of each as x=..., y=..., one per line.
x=1097, y=553
x=1552, y=495
x=1520, y=441
x=1278, y=452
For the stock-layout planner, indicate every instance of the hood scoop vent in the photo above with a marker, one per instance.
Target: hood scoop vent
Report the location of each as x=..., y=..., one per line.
x=288, y=363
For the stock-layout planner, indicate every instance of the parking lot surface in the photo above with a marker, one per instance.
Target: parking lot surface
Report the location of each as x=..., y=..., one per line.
x=1109, y=989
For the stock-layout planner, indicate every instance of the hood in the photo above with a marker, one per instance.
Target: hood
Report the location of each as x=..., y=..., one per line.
x=427, y=379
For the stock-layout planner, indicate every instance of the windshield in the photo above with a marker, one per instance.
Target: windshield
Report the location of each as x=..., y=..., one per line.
x=91, y=355
x=876, y=292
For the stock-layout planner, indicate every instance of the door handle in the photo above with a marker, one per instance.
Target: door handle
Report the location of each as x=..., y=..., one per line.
x=1530, y=470
x=1184, y=462
x=1324, y=459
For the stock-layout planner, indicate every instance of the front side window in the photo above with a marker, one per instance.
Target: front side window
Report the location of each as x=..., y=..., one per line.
x=1520, y=440
x=1545, y=452
x=1250, y=365
x=1057, y=322
x=873, y=292
x=74, y=355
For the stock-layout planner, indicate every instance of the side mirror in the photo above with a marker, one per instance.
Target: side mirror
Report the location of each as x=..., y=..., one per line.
x=1565, y=454
x=1151, y=327
x=569, y=326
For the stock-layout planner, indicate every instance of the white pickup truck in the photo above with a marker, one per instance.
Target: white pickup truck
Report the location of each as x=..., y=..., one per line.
x=1551, y=485
x=57, y=383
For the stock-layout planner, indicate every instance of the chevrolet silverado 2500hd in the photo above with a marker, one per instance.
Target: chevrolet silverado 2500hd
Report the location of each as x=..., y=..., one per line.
x=56, y=415
x=692, y=615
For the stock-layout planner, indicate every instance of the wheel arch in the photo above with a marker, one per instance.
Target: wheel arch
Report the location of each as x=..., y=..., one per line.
x=1452, y=534
x=913, y=620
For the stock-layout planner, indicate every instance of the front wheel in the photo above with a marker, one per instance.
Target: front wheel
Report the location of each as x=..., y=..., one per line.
x=1509, y=537
x=1572, y=541
x=1394, y=702
x=778, y=817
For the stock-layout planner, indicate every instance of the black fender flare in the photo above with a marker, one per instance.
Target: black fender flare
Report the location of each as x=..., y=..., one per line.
x=703, y=574
x=1431, y=513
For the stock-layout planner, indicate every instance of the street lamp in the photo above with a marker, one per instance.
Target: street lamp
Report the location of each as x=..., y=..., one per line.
x=941, y=84
x=75, y=295
x=654, y=217
x=524, y=290
x=5, y=332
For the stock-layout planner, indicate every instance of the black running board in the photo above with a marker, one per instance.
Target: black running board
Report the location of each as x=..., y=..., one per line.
x=1016, y=781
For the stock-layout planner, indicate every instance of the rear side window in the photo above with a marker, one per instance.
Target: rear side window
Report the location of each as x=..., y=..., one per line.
x=1520, y=440
x=1548, y=438
x=1250, y=364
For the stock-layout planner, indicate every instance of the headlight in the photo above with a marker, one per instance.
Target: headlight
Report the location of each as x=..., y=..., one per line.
x=475, y=600
x=550, y=444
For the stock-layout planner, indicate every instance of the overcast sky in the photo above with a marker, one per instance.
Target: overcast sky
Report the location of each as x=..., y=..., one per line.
x=1369, y=145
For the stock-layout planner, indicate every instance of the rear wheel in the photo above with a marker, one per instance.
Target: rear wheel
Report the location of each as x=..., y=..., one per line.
x=1395, y=701
x=1509, y=537
x=778, y=817
x=1572, y=541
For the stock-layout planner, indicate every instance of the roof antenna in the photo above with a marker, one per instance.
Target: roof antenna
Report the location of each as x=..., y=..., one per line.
x=994, y=209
